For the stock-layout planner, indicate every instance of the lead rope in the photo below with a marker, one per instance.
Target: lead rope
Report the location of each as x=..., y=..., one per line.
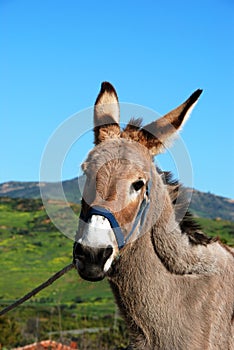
x=37, y=289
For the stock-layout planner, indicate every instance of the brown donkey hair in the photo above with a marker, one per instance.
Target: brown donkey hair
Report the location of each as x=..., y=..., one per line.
x=173, y=285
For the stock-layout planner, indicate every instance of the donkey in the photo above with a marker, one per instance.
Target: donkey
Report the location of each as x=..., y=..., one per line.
x=173, y=285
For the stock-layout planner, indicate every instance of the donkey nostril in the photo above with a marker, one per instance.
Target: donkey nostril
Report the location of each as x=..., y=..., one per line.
x=80, y=265
x=79, y=256
x=108, y=252
x=78, y=250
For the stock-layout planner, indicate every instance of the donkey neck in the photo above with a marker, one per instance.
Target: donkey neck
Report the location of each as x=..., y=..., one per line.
x=173, y=247
x=143, y=280
x=139, y=280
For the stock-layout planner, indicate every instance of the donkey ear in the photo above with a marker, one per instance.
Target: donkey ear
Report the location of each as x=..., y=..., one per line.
x=158, y=134
x=106, y=114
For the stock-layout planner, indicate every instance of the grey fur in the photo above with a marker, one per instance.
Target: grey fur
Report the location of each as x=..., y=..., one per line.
x=173, y=285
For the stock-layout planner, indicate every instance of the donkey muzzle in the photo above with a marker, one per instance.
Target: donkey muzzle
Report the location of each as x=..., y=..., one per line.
x=90, y=262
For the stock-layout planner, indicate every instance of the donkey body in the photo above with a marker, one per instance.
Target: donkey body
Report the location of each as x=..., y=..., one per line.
x=173, y=285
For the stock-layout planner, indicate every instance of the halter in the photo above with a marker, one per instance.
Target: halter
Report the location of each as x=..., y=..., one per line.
x=121, y=241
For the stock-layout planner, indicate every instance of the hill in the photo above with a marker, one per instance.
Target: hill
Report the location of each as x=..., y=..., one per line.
x=31, y=250
x=16, y=189
x=203, y=204
x=208, y=205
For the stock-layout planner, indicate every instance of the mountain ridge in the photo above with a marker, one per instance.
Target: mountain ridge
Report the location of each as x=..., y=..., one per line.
x=203, y=204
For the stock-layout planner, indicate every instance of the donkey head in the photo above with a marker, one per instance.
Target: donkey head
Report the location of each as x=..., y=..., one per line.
x=119, y=172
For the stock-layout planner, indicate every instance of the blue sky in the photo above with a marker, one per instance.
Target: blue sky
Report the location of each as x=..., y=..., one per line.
x=55, y=54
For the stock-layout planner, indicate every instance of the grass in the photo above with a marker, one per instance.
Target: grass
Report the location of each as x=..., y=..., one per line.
x=28, y=257
x=218, y=228
x=31, y=250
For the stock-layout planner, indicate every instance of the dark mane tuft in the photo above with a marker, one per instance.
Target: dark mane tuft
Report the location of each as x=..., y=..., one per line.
x=135, y=123
x=132, y=129
x=179, y=200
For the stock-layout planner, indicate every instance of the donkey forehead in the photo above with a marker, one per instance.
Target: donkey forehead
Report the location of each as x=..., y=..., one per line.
x=119, y=153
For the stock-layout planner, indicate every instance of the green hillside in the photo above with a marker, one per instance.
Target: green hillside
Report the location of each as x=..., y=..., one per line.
x=31, y=250
x=202, y=204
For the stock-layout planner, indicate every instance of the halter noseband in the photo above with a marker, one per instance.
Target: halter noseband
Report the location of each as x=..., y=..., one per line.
x=96, y=210
x=121, y=241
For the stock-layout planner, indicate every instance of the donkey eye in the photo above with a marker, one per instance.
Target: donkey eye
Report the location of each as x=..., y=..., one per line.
x=138, y=185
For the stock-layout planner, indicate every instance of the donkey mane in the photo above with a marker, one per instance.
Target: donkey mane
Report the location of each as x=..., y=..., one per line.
x=179, y=200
